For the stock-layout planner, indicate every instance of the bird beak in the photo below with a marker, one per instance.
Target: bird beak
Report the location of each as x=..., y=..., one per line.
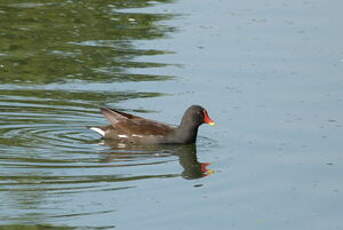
x=207, y=119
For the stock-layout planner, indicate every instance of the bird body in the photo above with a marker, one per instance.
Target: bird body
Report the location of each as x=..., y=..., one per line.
x=129, y=128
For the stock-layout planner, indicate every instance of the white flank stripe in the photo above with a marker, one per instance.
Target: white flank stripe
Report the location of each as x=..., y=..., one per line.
x=122, y=136
x=100, y=131
x=121, y=145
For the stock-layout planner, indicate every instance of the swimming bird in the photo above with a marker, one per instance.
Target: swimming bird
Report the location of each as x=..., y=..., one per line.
x=128, y=128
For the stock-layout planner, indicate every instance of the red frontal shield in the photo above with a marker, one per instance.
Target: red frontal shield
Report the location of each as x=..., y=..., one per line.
x=207, y=119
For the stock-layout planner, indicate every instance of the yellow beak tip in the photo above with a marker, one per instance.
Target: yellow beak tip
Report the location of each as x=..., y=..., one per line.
x=210, y=172
x=212, y=123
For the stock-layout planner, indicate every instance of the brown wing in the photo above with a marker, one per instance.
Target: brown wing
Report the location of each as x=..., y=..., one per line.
x=131, y=124
x=127, y=115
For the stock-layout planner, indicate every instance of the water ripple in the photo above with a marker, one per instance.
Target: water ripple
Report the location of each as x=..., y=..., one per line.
x=47, y=154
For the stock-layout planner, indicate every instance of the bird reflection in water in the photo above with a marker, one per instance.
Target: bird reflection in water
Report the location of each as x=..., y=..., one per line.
x=193, y=169
x=138, y=154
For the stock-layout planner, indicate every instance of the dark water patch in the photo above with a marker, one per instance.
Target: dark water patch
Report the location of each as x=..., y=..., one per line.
x=37, y=227
x=119, y=46
x=76, y=101
x=56, y=42
x=30, y=226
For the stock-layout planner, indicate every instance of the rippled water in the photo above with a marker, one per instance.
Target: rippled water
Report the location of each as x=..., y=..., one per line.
x=52, y=167
x=269, y=73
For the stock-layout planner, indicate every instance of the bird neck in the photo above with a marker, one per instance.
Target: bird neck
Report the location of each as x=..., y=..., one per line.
x=188, y=132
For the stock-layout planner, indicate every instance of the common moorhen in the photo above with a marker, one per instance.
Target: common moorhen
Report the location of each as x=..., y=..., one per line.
x=128, y=128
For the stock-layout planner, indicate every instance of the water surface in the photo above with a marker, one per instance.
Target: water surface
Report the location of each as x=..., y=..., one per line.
x=268, y=72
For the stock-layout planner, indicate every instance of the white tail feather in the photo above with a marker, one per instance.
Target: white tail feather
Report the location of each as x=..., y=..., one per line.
x=98, y=130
